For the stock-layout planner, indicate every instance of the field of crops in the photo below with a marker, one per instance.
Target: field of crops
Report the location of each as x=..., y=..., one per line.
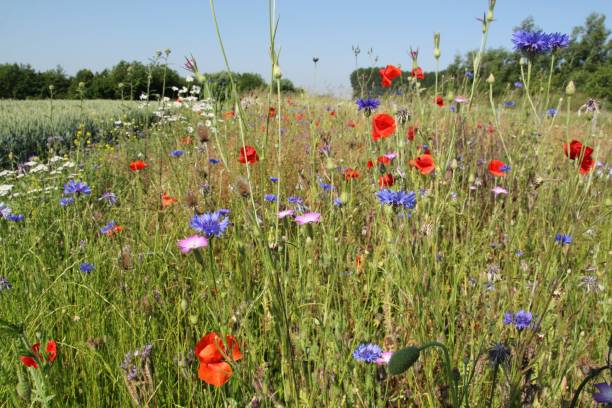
x=34, y=127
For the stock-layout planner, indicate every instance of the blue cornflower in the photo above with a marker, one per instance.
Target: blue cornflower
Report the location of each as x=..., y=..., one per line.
x=214, y=161
x=86, y=267
x=177, y=153
x=522, y=319
x=563, y=239
x=469, y=74
x=518, y=253
x=368, y=353
x=557, y=40
x=505, y=168
x=210, y=224
x=108, y=197
x=518, y=84
x=338, y=202
x=5, y=284
x=5, y=211
x=224, y=211
x=270, y=198
x=530, y=43
x=108, y=227
x=397, y=198
x=453, y=107
x=15, y=217
x=274, y=179
x=552, y=112
x=508, y=318
x=66, y=201
x=76, y=188
x=509, y=104
x=368, y=105
x=326, y=186
x=295, y=200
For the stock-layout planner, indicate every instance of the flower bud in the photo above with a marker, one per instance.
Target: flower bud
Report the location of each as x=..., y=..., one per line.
x=570, y=89
x=437, y=45
x=523, y=61
x=276, y=72
x=491, y=79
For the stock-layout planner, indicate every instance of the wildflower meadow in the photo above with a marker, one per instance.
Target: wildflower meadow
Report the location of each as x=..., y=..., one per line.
x=442, y=245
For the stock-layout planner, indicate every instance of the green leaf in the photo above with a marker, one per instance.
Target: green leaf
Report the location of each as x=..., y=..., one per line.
x=403, y=359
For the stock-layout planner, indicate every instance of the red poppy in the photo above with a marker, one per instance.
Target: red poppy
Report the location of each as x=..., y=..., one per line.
x=114, y=230
x=138, y=165
x=37, y=358
x=388, y=74
x=248, y=154
x=370, y=164
x=587, y=164
x=332, y=113
x=411, y=132
x=383, y=125
x=386, y=180
x=299, y=117
x=417, y=73
x=166, y=200
x=498, y=168
x=272, y=112
x=575, y=148
x=424, y=149
x=212, y=355
x=229, y=115
x=351, y=174
x=439, y=101
x=351, y=124
x=425, y=163
x=490, y=128
x=384, y=160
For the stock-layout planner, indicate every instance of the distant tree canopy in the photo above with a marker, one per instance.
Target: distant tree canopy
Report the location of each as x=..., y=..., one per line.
x=127, y=80
x=587, y=61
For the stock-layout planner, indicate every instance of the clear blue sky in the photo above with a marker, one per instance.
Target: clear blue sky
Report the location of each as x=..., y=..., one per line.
x=97, y=34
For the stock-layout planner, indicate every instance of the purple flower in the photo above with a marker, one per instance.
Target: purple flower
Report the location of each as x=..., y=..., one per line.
x=295, y=200
x=270, y=198
x=108, y=227
x=214, y=161
x=469, y=74
x=552, y=112
x=16, y=217
x=509, y=104
x=210, y=224
x=499, y=190
x=508, y=318
x=367, y=105
x=522, y=319
x=604, y=396
x=308, y=218
x=563, y=239
x=557, y=40
x=338, y=202
x=177, y=153
x=285, y=213
x=5, y=284
x=397, y=198
x=530, y=43
x=518, y=84
x=76, y=187
x=66, y=201
x=274, y=179
x=384, y=358
x=86, y=267
x=193, y=242
x=326, y=187
x=368, y=353
x=108, y=197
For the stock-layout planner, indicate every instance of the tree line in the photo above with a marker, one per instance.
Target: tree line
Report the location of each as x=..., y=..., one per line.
x=125, y=80
x=587, y=61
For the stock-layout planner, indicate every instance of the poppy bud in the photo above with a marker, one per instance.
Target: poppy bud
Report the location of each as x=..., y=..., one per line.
x=523, y=61
x=193, y=319
x=183, y=305
x=276, y=72
x=570, y=89
x=436, y=45
x=491, y=79
x=330, y=164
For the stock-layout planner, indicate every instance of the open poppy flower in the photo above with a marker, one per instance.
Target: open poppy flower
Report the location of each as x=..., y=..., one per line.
x=271, y=112
x=388, y=74
x=37, y=358
x=386, y=181
x=439, y=101
x=212, y=355
x=166, y=200
x=424, y=163
x=587, y=164
x=370, y=164
x=138, y=165
x=351, y=174
x=574, y=149
x=248, y=154
x=384, y=160
x=417, y=73
x=383, y=125
x=498, y=168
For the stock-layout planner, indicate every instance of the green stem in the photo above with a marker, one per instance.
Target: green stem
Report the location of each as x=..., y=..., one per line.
x=527, y=93
x=550, y=72
x=448, y=369
x=493, y=385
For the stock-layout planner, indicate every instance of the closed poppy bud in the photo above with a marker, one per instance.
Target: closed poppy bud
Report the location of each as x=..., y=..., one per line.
x=491, y=79
x=330, y=164
x=437, y=45
x=570, y=89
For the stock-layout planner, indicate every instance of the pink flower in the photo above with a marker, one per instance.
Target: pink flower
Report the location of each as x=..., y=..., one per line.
x=285, y=213
x=307, y=218
x=499, y=190
x=193, y=242
x=384, y=358
x=390, y=156
x=461, y=99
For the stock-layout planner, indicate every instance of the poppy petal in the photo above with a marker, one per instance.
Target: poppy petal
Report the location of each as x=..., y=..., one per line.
x=215, y=374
